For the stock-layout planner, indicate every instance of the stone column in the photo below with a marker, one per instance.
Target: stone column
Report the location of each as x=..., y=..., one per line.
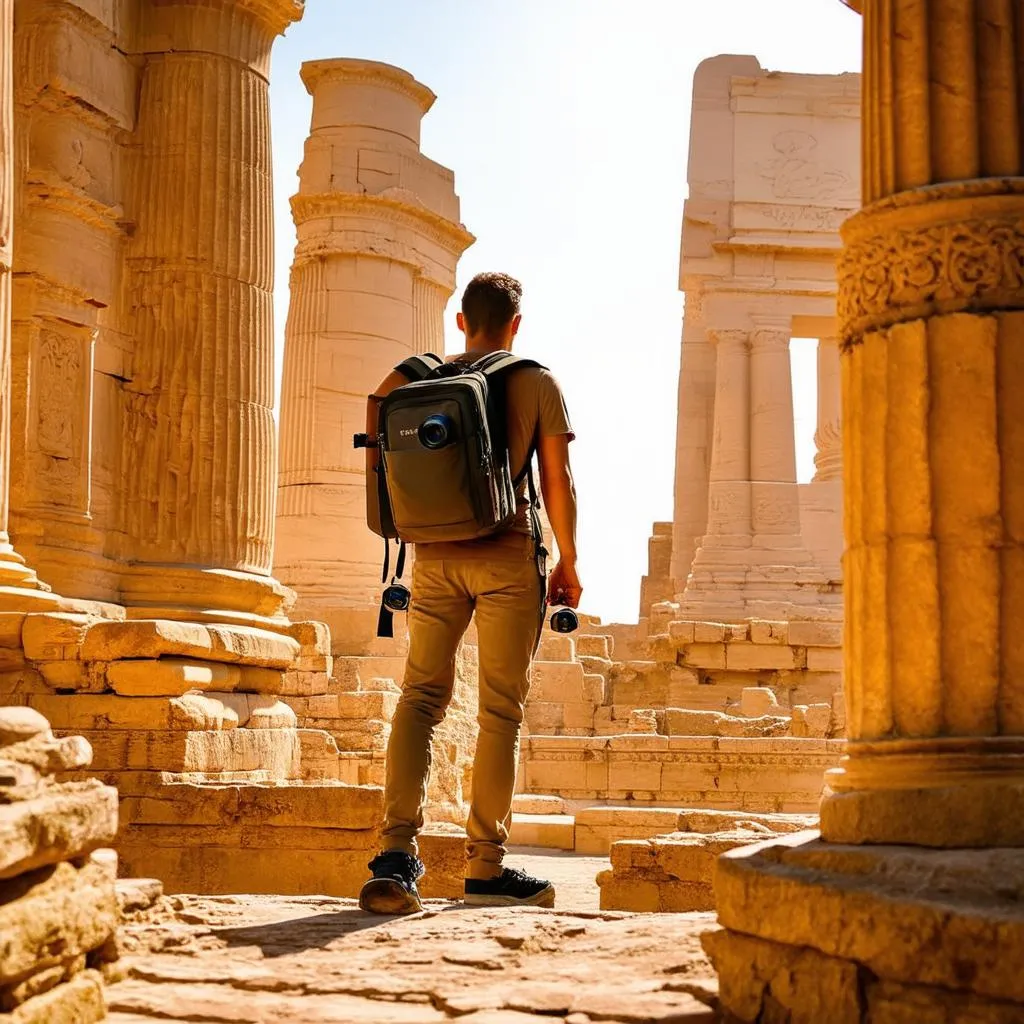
x=931, y=302
x=200, y=439
x=379, y=237
x=752, y=560
x=821, y=501
x=775, y=506
x=828, y=459
x=19, y=587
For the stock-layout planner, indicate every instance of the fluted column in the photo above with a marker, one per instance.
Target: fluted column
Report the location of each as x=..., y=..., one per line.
x=379, y=238
x=200, y=437
x=775, y=506
x=19, y=587
x=931, y=293
x=428, y=304
x=752, y=561
x=828, y=457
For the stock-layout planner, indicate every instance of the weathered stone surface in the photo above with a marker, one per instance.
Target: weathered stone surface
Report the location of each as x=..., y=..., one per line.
x=49, y=755
x=78, y=1001
x=479, y=966
x=62, y=822
x=909, y=915
x=18, y=724
x=54, y=913
x=157, y=638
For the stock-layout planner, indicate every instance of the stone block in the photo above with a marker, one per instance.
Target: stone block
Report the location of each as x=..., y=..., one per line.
x=756, y=701
x=62, y=822
x=766, y=631
x=816, y=634
x=661, y=615
x=88, y=711
x=593, y=646
x=632, y=894
x=544, y=718
x=370, y=705
x=537, y=803
x=556, y=647
x=709, y=632
x=170, y=677
x=593, y=689
x=71, y=675
x=661, y=647
x=629, y=775
x=560, y=682
x=21, y=724
x=274, y=750
x=756, y=657
x=78, y=904
x=680, y=722
x=160, y=638
x=550, y=831
x=300, y=684
x=824, y=659
x=54, y=636
x=578, y=719
x=78, y=1000
x=704, y=655
x=11, y=624
x=681, y=632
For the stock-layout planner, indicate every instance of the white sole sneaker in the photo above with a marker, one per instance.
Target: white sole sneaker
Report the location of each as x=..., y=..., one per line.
x=544, y=898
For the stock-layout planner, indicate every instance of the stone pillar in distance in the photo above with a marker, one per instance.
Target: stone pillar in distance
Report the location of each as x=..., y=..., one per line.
x=379, y=237
x=200, y=447
x=20, y=589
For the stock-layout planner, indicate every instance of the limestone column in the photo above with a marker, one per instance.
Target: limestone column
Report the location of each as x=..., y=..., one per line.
x=379, y=237
x=932, y=320
x=199, y=434
x=19, y=587
x=775, y=506
x=752, y=560
x=828, y=458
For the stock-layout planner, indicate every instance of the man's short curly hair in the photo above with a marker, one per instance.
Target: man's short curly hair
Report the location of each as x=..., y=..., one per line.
x=489, y=303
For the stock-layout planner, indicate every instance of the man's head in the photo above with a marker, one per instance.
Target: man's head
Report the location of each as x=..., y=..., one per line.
x=490, y=311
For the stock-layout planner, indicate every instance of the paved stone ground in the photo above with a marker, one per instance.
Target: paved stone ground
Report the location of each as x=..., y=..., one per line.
x=317, y=960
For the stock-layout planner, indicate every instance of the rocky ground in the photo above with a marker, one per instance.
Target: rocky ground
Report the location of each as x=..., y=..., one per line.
x=317, y=960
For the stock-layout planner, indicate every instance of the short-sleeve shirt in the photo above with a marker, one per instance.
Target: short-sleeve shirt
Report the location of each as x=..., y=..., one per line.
x=536, y=408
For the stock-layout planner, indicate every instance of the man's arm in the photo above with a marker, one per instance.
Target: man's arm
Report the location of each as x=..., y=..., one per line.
x=559, y=491
x=393, y=380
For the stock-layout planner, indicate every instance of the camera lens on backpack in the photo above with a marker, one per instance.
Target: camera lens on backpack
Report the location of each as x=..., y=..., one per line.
x=436, y=431
x=397, y=598
x=565, y=620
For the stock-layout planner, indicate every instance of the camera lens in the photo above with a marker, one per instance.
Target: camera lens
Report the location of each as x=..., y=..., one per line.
x=435, y=431
x=565, y=621
x=397, y=597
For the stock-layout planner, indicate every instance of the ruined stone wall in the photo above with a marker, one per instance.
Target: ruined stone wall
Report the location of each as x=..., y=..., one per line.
x=58, y=906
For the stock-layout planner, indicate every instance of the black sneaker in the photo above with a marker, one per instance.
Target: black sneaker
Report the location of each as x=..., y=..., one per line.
x=392, y=890
x=512, y=888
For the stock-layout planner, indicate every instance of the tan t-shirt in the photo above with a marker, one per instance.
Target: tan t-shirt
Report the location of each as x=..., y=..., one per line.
x=536, y=408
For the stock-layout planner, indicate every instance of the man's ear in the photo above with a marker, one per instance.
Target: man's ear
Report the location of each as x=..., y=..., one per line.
x=460, y=321
x=516, y=321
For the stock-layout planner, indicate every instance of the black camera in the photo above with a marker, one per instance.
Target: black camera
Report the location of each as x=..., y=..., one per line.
x=565, y=620
x=397, y=598
x=436, y=431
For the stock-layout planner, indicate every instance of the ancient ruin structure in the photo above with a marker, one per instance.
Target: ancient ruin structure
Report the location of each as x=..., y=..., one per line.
x=58, y=905
x=379, y=237
x=908, y=906
x=772, y=174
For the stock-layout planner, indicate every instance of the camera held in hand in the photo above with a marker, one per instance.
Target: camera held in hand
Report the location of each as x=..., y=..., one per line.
x=565, y=620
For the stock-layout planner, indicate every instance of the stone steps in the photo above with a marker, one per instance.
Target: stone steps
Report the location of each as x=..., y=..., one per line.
x=550, y=831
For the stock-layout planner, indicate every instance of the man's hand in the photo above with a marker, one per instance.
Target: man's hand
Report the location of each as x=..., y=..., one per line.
x=564, y=585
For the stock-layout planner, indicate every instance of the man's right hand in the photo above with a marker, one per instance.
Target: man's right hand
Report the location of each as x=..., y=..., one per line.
x=564, y=585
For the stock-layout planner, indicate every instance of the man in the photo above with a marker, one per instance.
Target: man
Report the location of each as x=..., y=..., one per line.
x=499, y=579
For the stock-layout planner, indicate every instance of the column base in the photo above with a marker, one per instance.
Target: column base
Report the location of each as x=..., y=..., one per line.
x=206, y=595
x=770, y=577
x=951, y=793
x=864, y=935
x=20, y=588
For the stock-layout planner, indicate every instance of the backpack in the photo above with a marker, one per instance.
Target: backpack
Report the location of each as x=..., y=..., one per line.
x=443, y=470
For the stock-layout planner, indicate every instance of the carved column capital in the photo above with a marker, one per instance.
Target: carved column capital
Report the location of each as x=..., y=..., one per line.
x=728, y=337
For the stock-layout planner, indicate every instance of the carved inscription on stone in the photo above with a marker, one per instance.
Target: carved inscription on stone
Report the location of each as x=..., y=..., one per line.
x=58, y=372
x=796, y=170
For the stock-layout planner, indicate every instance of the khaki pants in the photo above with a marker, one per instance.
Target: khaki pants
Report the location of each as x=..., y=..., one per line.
x=508, y=598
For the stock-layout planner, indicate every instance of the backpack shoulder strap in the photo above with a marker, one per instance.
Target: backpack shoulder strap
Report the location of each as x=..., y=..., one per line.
x=494, y=364
x=417, y=367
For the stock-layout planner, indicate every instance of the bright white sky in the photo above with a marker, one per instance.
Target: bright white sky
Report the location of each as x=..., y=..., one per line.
x=567, y=123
